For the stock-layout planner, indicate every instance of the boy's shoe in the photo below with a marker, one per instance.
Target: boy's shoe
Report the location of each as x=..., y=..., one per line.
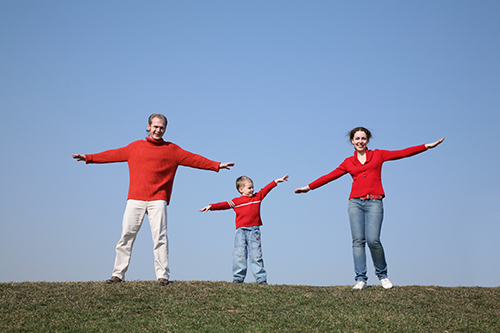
x=264, y=283
x=114, y=279
x=162, y=281
x=237, y=281
x=360, y=285
x=386, y=283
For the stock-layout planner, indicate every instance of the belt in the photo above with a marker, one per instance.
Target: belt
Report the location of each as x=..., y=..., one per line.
x=373, y=197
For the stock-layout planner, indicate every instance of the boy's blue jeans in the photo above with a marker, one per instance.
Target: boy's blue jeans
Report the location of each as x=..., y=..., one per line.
x=247, y=242
x=366, y=218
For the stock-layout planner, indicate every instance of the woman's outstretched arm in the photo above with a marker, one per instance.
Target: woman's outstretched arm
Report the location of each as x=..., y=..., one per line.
x=304, y=189
x=434, y=144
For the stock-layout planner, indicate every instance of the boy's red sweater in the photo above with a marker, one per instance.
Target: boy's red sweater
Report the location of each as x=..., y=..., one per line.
x=152, y=166
x=367, y=178
x=247, y=209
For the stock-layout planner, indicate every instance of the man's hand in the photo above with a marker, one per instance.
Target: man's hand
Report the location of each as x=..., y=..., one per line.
x=79, y=157
x=226, y=165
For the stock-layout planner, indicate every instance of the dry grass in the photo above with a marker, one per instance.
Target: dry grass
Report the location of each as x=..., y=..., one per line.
x=204, y=306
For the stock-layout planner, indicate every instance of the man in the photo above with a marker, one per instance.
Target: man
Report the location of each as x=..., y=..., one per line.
x=152, y=164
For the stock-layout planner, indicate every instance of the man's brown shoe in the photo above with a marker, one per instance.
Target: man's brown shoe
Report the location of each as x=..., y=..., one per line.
x=114, y=279
x=162, y=282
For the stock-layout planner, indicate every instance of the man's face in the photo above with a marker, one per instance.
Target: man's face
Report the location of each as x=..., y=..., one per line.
x=156, y=129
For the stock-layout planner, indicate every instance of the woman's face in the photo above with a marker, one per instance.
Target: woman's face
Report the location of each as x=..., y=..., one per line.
x=360, y=141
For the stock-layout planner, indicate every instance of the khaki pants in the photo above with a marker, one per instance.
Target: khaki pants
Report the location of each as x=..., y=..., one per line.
x=132, y=222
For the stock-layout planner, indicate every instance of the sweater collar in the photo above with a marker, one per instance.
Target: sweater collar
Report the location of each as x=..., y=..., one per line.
x=155, y=142
x=369, y=155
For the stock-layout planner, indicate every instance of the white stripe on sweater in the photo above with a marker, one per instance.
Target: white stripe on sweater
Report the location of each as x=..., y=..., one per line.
x=232, y=205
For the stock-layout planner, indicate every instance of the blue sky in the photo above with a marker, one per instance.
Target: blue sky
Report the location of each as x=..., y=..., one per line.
x=272, y=86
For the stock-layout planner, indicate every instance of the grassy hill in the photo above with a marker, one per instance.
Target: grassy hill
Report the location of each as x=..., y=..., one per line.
x=204, y=306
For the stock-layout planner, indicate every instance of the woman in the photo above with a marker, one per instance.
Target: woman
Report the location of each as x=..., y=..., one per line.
x=365, y=201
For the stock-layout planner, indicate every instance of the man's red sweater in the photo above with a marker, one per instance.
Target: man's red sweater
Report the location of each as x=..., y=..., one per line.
x=247, y=209
x=367, y=179
x=152, y=165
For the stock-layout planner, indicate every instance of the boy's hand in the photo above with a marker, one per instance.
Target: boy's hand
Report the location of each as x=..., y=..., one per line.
x=206, y=209
x=281, y=180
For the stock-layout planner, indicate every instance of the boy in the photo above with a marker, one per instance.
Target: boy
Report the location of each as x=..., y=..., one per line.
x=247, y=240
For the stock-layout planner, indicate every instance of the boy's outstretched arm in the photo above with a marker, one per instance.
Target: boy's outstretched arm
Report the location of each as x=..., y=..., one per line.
x=282, y=179
x=206, y=209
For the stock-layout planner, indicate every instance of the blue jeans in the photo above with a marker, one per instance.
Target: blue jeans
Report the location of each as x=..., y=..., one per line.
x=247, y=241
x=366, y=218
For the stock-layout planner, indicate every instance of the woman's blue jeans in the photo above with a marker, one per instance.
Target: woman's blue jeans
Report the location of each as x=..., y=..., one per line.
x=247, y=242
x=366, y=218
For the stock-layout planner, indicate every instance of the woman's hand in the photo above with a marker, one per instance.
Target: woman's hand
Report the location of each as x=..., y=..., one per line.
x=304, y=189
x=434, y=144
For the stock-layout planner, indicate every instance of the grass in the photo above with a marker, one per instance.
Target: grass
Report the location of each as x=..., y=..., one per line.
x=204, y=306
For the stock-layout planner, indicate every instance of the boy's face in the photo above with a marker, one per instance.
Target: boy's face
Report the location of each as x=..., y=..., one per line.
x=247, y=189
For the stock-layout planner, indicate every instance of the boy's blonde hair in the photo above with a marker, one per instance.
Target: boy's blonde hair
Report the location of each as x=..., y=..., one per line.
x=240, y=182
